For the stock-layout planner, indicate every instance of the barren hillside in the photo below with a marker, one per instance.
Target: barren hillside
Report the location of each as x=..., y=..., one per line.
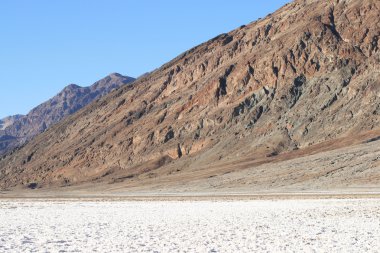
x=302, y=80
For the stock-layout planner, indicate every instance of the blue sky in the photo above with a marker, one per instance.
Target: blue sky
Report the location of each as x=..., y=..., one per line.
x=47, y=44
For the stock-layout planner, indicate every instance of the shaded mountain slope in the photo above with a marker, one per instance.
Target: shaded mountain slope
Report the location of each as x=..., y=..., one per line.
x=302, y=76
x=16, y=130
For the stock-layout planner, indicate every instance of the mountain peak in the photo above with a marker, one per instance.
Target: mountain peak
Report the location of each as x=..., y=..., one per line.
x=115, y=74
x=72, y=98
x=71, y=87
x=8, y=121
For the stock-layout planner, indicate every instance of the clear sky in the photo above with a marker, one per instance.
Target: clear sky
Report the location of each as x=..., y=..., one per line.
x=48, y=44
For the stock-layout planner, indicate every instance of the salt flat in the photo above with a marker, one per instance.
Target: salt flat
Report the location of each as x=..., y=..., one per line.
x=190, y=226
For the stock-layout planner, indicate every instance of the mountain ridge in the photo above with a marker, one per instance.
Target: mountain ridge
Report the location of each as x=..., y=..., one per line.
x=305, y=75
x=21, y=128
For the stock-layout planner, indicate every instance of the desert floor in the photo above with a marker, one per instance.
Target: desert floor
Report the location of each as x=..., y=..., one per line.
x=77, y=225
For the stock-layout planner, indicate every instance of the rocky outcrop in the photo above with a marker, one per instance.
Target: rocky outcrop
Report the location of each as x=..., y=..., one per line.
x=16, y=130
x=305, y=74
x=8, y=121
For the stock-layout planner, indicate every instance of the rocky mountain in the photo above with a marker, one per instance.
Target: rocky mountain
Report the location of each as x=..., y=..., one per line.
x=16, y=130
x=7, y=121
x=304, y=79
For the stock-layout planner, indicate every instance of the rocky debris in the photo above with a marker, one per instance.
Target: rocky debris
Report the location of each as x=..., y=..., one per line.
x=306, y=74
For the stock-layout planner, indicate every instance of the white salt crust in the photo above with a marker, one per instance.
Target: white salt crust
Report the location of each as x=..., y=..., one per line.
x=204, y=226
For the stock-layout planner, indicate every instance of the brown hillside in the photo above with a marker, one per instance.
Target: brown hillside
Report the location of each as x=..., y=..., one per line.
x=304, y=75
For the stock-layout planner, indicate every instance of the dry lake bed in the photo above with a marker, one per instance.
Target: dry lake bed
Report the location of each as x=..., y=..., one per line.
x=318, y=225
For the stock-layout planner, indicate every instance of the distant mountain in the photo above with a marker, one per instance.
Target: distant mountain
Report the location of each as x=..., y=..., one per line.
x=16, y=130
x=4, y=123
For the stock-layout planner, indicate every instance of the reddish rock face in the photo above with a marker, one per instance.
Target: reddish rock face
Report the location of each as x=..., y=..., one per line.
x=303, y=75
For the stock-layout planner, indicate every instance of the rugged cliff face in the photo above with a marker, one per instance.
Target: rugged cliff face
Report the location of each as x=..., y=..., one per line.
x=16, y=130
x=305, y=74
